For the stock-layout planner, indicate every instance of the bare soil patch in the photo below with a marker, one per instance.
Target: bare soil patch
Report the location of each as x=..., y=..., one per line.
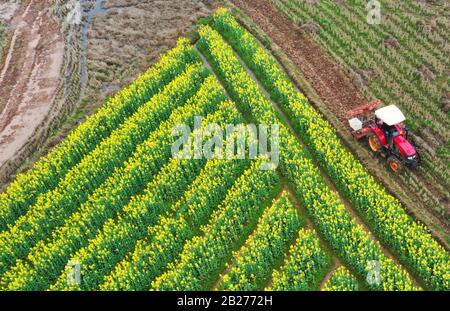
x=445, y=102
x=425, y=72
x=392, y=43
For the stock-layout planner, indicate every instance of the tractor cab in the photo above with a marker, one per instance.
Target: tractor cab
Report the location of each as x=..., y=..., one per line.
x=389, y=120
x=386, y=133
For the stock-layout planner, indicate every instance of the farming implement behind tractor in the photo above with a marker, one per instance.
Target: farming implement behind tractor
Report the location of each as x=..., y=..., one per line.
x=385, y=132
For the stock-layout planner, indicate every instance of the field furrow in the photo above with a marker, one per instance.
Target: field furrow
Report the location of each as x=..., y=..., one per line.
x=252, y=264
x=305, y=266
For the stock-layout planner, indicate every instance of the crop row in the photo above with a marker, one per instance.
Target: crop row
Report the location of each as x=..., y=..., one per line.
x=305, y=265
x=52, y=208
x=252, y=264
x=348, y=238
x=204, y=256
x=49, y=170
x=341, y=280
x=166, y=239
x=47, y=258
x=410, y=239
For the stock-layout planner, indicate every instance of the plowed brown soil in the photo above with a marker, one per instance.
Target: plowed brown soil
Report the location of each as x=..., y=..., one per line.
x=325, y=76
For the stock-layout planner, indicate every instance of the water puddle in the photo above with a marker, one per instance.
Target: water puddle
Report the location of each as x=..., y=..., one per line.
x=88, y=18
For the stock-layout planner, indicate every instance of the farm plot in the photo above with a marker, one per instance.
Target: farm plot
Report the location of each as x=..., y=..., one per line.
x=2, y=37
x=402, y=60
x=114, y=205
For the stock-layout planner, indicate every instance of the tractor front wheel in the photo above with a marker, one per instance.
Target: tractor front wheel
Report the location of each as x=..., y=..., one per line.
x=395, y=165
x=374, y=143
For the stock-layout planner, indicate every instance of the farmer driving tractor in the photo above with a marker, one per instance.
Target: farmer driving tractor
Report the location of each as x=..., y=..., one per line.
x=385, y=132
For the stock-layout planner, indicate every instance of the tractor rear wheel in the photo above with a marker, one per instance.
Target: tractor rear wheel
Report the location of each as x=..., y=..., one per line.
x=395, y=165
x=374, y=143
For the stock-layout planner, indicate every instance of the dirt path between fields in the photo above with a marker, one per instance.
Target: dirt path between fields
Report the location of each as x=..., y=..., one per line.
x=29, y=76
x=325, y=76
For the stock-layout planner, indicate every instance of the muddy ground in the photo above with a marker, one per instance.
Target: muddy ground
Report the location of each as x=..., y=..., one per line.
x=55, y=72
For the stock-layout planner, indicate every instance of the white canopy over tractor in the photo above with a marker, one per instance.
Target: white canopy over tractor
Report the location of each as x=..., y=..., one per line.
x=390, y=115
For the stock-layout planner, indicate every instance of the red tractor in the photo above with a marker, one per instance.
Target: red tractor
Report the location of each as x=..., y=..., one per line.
x=385, y=133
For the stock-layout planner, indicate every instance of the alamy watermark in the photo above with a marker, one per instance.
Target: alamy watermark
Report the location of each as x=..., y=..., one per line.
x=235, y=142
x=374, y=272
x=373, y=8
x=74, y=16
x=74, y=275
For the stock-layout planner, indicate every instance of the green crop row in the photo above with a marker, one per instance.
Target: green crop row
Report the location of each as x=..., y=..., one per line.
x=46, y=260
x=52, y=209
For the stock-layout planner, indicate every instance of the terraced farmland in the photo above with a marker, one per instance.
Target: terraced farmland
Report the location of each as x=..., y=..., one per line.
x=112, y=201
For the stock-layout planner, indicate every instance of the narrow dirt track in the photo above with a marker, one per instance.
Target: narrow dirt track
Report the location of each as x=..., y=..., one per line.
x=325, y=76
x=29, y=75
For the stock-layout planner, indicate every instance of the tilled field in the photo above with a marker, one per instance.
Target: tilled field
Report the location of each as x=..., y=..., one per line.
x=324, y=74
x=116, y=40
